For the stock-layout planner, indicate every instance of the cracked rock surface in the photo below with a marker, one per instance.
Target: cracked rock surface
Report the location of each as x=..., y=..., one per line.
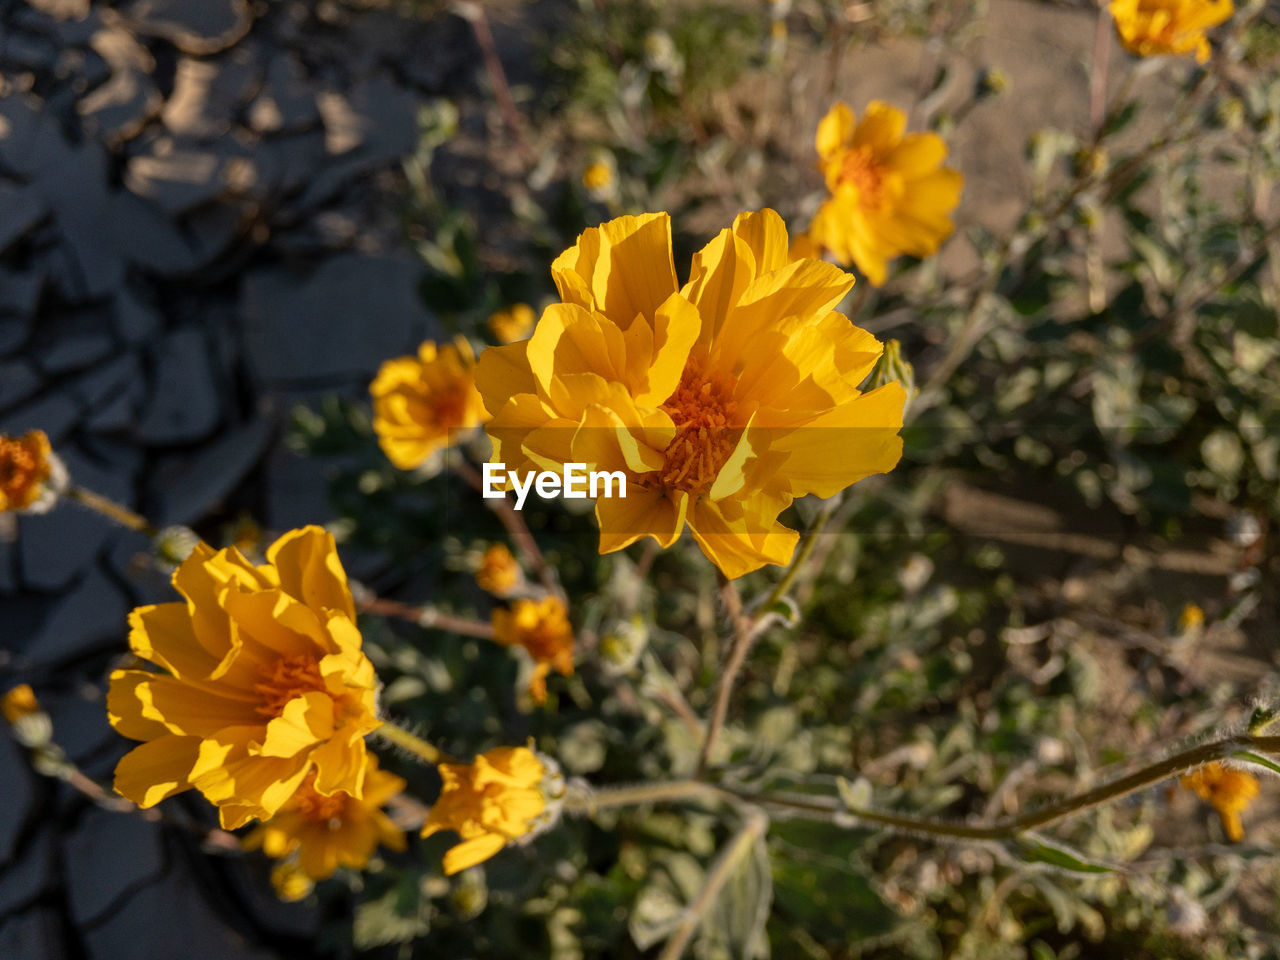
x=197, y=232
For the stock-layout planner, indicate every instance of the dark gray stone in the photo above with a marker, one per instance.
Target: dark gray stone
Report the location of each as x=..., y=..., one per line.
x=136, y=321
x=30, y=875
x=121, y=375
x=106, y=855
x=117, y=109
x=21, y=208
x=14, y=332
x=342, y=321
x=20, y=796
x=74, y=185
x=55, y=414
x=18, y=380
x=182, y=488
x=286, y=104
x=34, y=935
x=207, y=94
x=77, y=341
x=144, y=236
x=80, y=724
x=196, y=933
x=20, y=291
x=297, y=491
x=201, y=28
x=184, y=405
x=88, y=618
x=55, y=547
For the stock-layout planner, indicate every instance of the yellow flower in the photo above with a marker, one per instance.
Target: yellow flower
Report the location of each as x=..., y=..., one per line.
x=890, y=194
x=512, y=324
x=31, y=475
x=1151, y=27
x=1191, y=619
x=421, y=403
x=30, y=724
x=720, y=401
x=315, y=834
x=503, y=796
x=598, y=177
x=541, y=627
x=1228, y=789
x=498, y=573
x=265, y=682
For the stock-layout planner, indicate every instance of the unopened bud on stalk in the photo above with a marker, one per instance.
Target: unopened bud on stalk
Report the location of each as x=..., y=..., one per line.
x=621, y=644
x=173, y=545
x=31, y=725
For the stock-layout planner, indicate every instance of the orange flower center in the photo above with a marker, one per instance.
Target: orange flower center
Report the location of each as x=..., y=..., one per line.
x=449, y=406
x=704, y=413
x=22, y=469
x=860, y=168
x=319, y=808
x=288, y=677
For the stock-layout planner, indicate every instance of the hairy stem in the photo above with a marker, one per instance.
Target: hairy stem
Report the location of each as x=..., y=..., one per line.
x=111, y=510
x=402, y=738
x=607, y=798
x=426, y=616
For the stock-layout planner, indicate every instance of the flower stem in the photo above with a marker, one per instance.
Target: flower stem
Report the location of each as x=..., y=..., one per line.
x=1009, y=827
x=514, y=522
x=753, y=828
x=607, y=798
x=111, y=510
x=745, y=632
x=412, y=742
x=426, y=616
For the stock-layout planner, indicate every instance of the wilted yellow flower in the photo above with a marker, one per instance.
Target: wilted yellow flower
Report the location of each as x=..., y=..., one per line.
x=1151, y=27
x=501, y=797
x=542, y=627
x=498, y=573
x=512, y=324
x=421, y=403
x=18, y=703
x=31, y=475
x=1228, y=789
x=319, y=833
x=265, y=682
x=720, y=402
x=890, y=194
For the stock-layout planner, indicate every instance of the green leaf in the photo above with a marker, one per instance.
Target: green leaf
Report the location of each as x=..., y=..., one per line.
x=398, y=916
x=1033, y=849
x=1251, y=757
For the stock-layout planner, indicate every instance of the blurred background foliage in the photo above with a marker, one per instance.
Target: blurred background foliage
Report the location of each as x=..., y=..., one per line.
x=1094, y=446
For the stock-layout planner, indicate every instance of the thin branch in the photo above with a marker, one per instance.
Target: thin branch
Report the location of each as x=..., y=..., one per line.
x=111, y=510
x=754, y=825
x=426, y=616
x=742, y=641
x=474, y=14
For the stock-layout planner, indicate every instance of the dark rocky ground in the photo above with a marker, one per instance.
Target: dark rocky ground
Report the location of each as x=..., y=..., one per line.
x=198, y=230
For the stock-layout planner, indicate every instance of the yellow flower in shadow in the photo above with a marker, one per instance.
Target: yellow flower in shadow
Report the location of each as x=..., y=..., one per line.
x=890, y=193
x=718, y=402
x=1229, y=791
x=512, y=324
x=505, y=795
x=19, y=702
x=316, y=833
x=422, y=403
x=1151, y=27
x=31, y=475
x=498, y=572
x=542, y=627
x=264, y=682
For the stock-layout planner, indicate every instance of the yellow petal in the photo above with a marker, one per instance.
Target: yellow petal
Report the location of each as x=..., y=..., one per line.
x=641, y=513
x=677, y=325
x=881, y=128
x=735, y=547
x=471, y=852
x=766, y=234
x=125, y=710
x=635, y=272
x=341, y=764
x=162, y=633
x=188, y=710
x=835, y=130
x=503, y=372
x=305, y=721
x=918, y=154
x=311, y=571
x=721, y=271
x=152, y=771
